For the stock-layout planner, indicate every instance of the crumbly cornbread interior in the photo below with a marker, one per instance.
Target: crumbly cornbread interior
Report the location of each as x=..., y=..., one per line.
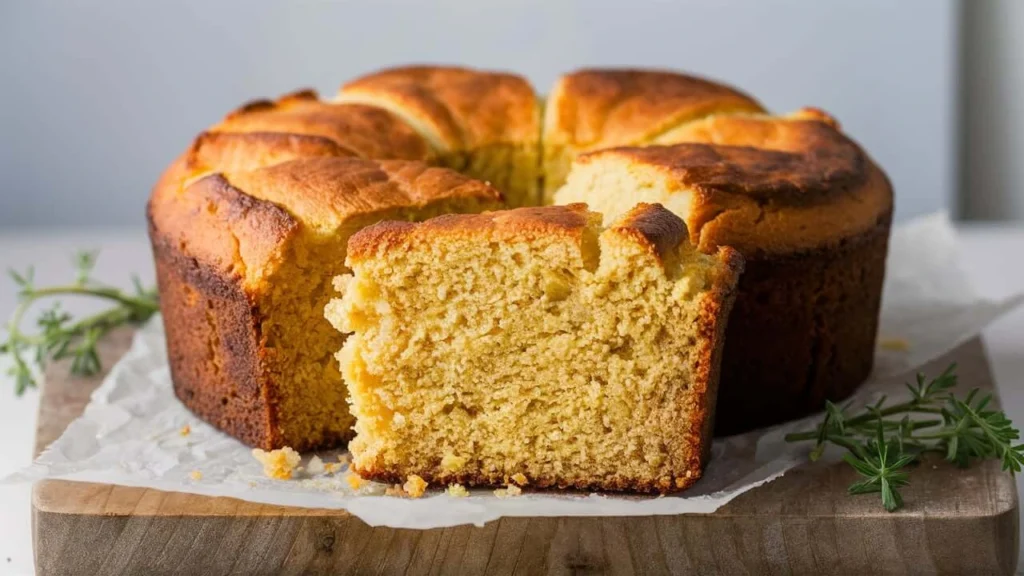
x=473, y=357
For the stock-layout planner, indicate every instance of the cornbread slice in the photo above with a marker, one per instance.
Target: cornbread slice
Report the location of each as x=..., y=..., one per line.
x=810, y=213
x=244, y=265
x=531, y=346
x=600, y=108
x=484, y=124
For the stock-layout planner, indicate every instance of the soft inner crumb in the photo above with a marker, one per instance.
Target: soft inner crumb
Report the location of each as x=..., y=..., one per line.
x=479, y=362
x=509, y=491
x=279, y=464
x=415, y=486
x=457, y=491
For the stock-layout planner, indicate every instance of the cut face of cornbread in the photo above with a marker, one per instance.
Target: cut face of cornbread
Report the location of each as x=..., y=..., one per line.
x=531, y=346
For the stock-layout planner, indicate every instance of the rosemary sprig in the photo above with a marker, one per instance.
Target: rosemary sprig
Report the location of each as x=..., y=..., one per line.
x=59, y=335
x=880, y=446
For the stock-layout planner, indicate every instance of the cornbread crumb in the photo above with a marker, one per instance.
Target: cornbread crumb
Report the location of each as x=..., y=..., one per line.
x=894, y=344
x=354, y=481
x=332, y=467
x=457, y=491
x=509, y=491
x=452, y=463
x=555, y=335
x=315, y=466
x=395, y=490
x=415, y=486
x=196, y=475
x=279, y=464
x=185, y=430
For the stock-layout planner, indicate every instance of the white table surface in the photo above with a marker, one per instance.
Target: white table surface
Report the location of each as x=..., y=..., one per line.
x=992, y=257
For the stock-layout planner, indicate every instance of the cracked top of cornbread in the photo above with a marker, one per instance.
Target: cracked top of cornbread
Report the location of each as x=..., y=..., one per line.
x=761, y=184
x=239, y=222
x=618, y=107
x=456, y=108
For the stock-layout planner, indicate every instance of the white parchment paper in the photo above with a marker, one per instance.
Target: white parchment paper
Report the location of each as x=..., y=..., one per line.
x=130, y=434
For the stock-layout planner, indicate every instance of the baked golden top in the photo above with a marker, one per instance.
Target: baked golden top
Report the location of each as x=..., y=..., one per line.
x=755, y=182
x=455, y=108
x=651, y=226
x=609, y=107
x=366, y=131
x=238, y=222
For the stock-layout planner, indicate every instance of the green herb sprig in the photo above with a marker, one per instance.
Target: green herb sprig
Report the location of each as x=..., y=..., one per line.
x=59, y=335
x=880, y=445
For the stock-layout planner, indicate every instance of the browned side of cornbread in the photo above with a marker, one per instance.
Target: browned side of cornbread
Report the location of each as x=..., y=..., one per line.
x=653, y=228
x=212, y=322
x=802, y=331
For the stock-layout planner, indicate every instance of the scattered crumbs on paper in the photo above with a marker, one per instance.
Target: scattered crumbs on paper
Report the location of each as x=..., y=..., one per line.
x=415, y=486
x=279, y=464
x=509, y=491
x=354, y=481
x=457, y=491
x=196, y=475
x=520, y=479
x=315, y=466
x=894, y=344
x=185, y=430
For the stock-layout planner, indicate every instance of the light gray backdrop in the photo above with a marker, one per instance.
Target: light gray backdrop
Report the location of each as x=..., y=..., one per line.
x=97, y=97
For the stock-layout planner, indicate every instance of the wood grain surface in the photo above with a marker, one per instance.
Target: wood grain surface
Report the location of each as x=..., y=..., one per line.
x=955, y=522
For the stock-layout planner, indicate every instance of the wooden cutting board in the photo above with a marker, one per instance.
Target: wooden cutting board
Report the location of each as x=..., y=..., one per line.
x=955, y=521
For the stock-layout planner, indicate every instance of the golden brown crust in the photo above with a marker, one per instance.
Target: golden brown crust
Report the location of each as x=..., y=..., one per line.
x=324, y=193
x=237, y=152
x=616, y=107
x=805, y=185
x=652, y=226
x=829, y=298
x=367, y=131
x=456, y=108
x=569, y=221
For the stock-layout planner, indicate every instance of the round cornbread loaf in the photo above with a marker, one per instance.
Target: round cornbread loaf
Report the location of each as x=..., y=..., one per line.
x=266, y=199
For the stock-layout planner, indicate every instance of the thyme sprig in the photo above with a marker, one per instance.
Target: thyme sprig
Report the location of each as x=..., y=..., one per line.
x=58, y=334
x=880, y=445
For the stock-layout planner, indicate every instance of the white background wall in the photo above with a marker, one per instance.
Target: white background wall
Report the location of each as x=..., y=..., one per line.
x=97, y=97
x=993, y=110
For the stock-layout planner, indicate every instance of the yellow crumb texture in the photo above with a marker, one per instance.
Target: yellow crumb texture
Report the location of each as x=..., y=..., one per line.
x=509, y=491
x=566, y=360
x=354, y=481
x=415, y=486
x=196, y=475
x=185, y=430
x=457, y=491
x=279, y=464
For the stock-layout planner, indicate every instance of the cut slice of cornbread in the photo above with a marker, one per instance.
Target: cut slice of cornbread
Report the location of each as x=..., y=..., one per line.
x=530, y=346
